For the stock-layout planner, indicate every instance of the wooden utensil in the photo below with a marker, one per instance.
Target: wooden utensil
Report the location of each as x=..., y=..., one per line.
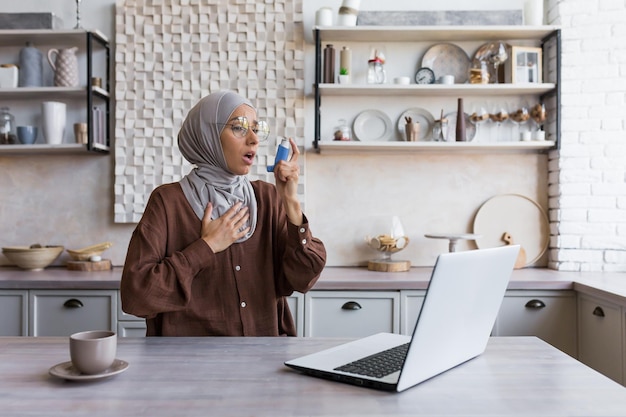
x=521, y=257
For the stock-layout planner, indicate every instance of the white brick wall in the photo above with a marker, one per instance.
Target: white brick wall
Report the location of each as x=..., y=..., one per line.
x=587, y=178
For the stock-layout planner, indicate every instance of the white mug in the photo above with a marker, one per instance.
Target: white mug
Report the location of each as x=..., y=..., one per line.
x=446, y=79
x=53, y=121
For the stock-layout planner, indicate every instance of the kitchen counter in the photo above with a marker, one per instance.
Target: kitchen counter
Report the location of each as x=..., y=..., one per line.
x=612, y=284
x=59, y=278
x=517, y=376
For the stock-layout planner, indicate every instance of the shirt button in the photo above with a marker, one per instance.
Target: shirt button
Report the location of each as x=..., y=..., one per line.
x=302, y=230
x=237, y=268
x=304, y=241
x=243, y=304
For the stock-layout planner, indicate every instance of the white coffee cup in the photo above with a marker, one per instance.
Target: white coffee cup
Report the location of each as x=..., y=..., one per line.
x=93, y=351
x=539, y=135
x=446, y=79
x=402, y=80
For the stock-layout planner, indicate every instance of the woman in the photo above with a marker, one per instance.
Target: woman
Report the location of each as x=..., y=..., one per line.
x=216, y=254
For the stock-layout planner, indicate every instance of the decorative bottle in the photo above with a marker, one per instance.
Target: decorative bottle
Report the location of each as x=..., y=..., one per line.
x=31, y=67
x=329, y=64
x=460, y=122
x=345, y=63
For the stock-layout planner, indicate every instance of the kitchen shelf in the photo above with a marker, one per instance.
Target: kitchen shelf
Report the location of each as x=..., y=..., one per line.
x=432, y=33
x=549, y=37
x=86, y=99
x=415, y=147
x=48, y=37
x=45, y=149
x=49, y=92
x=454, y=90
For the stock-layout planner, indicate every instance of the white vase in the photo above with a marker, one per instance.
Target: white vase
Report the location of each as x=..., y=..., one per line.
x=533, y=12
x=53, y=118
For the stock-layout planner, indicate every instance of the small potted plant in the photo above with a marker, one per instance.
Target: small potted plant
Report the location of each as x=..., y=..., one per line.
x=344, y=77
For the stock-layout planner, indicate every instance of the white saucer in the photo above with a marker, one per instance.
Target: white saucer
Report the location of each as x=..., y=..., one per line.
x=66, y=370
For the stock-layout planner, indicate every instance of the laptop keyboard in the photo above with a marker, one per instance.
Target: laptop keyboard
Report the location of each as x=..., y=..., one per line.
x=379, y=364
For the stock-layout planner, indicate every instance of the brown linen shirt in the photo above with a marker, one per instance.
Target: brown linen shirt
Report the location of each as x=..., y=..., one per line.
x=173, y=278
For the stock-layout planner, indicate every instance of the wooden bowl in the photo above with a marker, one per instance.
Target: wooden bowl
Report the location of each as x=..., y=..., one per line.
x=86, y=253
x=33, y=259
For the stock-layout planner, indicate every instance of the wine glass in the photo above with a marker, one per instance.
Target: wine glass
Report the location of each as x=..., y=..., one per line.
x=538, y=116
x=499, y=114
x=78, y=25
x=520, y=117
x=479, y=116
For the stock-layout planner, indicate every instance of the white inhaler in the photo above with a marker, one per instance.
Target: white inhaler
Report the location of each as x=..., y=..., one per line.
x=281, y=154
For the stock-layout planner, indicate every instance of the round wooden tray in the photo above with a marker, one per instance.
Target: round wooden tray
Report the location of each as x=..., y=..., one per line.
x=519, y=216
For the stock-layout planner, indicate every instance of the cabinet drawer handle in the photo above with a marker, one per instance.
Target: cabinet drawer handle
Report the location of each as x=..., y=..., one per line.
x=537, y=304
x=598, y=311
x=351, y=305
x=73, y=303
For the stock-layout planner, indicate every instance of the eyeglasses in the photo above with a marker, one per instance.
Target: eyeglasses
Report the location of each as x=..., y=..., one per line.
x=241, y=125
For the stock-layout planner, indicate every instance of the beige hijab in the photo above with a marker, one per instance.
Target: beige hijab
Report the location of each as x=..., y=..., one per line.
x=210, y=180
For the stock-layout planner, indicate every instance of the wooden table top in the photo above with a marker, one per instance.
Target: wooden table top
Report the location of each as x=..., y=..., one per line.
x=246, y=377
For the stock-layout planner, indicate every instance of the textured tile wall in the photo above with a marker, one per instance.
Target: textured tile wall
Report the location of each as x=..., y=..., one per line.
x=170, y=53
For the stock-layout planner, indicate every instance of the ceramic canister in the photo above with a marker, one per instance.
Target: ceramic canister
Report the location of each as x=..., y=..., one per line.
x=8, y=76
x=31, y=67
x=348, y=13
x=324, y=16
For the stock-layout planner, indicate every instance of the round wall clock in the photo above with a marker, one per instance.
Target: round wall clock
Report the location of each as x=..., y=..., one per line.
x=425, y=75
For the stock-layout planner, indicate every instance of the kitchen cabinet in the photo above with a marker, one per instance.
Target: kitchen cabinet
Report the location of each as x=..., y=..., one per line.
x=404, y=48
x=296, y=306
x=85, y=103
x=14, y=313
x=549, y=315
x=351, y=313
x=601, y=343
x=411, y=304
x=129, y=325
x=133, y=326
x=63, y=312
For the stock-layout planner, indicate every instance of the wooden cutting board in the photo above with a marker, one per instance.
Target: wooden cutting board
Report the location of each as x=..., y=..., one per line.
x=103, y=265
x=388, y=266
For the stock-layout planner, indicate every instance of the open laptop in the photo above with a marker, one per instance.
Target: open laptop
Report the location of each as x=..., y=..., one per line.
x=463, y=298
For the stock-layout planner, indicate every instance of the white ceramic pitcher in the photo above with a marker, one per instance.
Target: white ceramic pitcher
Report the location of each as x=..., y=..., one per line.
x=65, y=66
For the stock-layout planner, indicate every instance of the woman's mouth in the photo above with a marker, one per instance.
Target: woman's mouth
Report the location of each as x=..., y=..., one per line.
x=249, y=158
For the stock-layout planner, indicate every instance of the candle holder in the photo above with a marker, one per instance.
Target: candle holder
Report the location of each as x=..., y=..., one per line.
x=78, y=25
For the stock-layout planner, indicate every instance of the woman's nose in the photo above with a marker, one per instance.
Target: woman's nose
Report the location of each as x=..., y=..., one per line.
x=252, y=136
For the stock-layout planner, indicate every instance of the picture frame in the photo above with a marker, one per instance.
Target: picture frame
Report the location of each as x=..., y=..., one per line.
x=524, y=65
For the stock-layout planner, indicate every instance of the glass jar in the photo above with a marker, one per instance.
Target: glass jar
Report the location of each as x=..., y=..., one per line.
x=342, y=131
x=479, y=72
x=376, y=71
x=7, y=127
